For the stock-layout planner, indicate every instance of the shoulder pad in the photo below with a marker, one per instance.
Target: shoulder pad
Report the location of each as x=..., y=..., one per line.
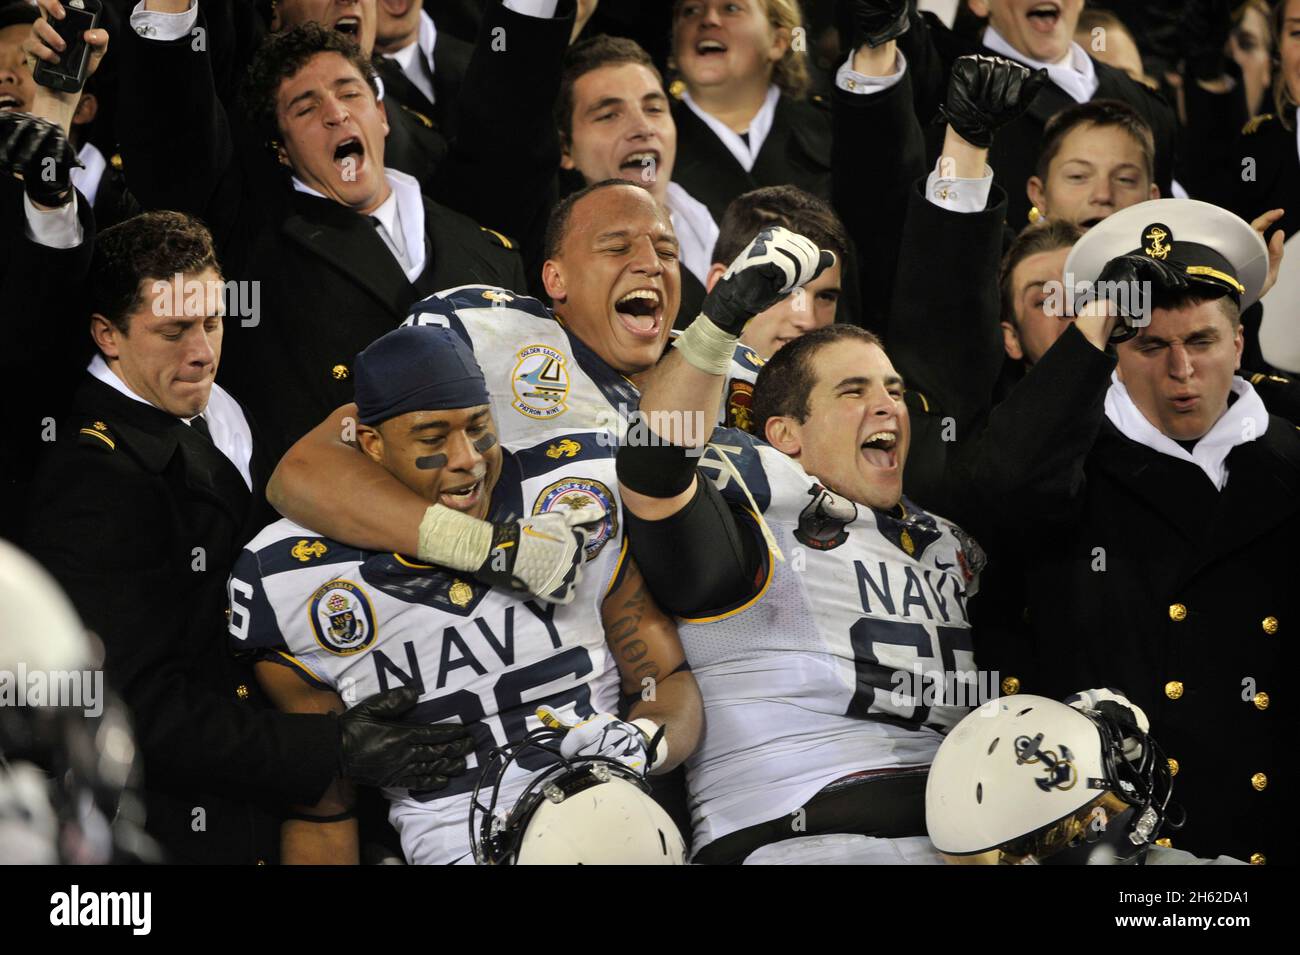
x=424, y=121
x=496, y=238
x=1255, y=122
x=97, y=435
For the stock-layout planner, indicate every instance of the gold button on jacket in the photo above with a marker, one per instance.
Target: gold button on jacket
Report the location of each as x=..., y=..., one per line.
x=1173, y=766
x=1257, y=858
x=1261, y=701
x=1259, y=781
x=1177, y=612
x=1270, y=625
x=1010, y=686
x=1174, y=689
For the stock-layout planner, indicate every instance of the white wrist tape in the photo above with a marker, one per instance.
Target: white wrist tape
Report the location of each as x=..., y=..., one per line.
x=706, y=346
x=452, y=539
x=650, y=727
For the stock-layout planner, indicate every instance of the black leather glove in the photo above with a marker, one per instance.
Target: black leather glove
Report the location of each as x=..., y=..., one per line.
x=376, y=750
x=775, y=263
x=872, y=22
x=1204, y=29
x=39, y=151
x=1140, y=276
x=987, y=92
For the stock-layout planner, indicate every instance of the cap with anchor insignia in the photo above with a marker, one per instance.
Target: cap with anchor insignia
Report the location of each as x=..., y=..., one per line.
x=1211, y=245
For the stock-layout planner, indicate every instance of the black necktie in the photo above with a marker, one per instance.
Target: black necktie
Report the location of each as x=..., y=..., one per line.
x=200, y=424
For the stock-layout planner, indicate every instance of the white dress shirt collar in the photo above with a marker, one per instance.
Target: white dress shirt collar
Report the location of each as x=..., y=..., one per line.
x=746, y=153
x=401, y=219
x=226, y=422
x=697, y=233
x=87, y=177
x=1074, y=73
x=424, y=42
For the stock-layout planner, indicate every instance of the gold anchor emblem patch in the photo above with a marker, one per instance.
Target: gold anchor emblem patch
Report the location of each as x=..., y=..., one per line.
x=305, y=551
x=1157, y=235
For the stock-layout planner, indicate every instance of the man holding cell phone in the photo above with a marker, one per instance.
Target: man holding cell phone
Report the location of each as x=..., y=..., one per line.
x=46, y=233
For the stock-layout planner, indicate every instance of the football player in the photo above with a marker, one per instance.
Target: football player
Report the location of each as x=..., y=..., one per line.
x=331, y=621
x=824, y=613
x=612, y=271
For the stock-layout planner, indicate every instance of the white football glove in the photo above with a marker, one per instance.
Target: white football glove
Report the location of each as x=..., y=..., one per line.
x=775, y=263
x=601, y=735
x=1110, y=702
x=542, y=554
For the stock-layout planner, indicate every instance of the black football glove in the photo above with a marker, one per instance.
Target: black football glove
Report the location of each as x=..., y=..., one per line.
x=872, y=22
x=987, y=92
x=376, y=750
x=1140, y=275
x=40, y=152
x=775, y=262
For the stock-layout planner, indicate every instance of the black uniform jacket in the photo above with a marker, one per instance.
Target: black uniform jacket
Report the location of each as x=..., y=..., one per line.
x=796, y=152
x=140, y=518
x=1137, y=574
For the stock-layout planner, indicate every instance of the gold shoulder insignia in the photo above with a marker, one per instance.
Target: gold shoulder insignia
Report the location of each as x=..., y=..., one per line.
x=305, y=551
x=424, y=120
x=498, y=238
x=116, y=161
x=677, y=89
x=1255, y=122
x=925, y=405
x=100, y=436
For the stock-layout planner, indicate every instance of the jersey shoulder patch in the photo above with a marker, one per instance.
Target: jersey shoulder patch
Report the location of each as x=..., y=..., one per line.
x=733, y=460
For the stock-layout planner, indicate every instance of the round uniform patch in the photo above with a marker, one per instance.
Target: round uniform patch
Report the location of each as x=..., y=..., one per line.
x=582, y=492
x=342, y=618
x=540, y=381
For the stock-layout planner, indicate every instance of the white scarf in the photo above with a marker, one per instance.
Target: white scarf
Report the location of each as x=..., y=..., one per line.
x=1245, y=420
x=1074, y=73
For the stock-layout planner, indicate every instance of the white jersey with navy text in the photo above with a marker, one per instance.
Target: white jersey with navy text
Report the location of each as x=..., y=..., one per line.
x=542, y=381
x=847, y=660
x=359, y=623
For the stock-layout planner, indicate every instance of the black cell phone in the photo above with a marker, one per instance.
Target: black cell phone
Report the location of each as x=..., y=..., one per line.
x=68, y=75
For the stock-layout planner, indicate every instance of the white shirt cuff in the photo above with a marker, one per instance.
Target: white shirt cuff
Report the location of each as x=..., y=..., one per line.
x=851, y=81
x=958, y=195
x=533, y=8
x=55, y=229
x=163, y=26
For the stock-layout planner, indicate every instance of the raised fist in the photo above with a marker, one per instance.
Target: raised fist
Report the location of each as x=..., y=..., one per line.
x=775, y=263
x=872, y=22
x=987, y=92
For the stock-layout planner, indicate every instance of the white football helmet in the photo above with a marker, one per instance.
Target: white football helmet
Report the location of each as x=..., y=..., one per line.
x=615, y=822
x=65, y=775
x=1028, y=777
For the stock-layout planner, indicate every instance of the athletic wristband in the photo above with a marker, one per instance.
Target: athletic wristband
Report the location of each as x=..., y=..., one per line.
x=654, y=739
x=706, y=346
x=449, y=538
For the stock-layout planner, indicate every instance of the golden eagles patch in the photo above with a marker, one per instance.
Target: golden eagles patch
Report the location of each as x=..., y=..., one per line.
x=540, y=381
x=582, y=492
x=342, y=618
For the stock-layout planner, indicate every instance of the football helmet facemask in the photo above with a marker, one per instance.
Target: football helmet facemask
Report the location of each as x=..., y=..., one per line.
x=616, y=823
